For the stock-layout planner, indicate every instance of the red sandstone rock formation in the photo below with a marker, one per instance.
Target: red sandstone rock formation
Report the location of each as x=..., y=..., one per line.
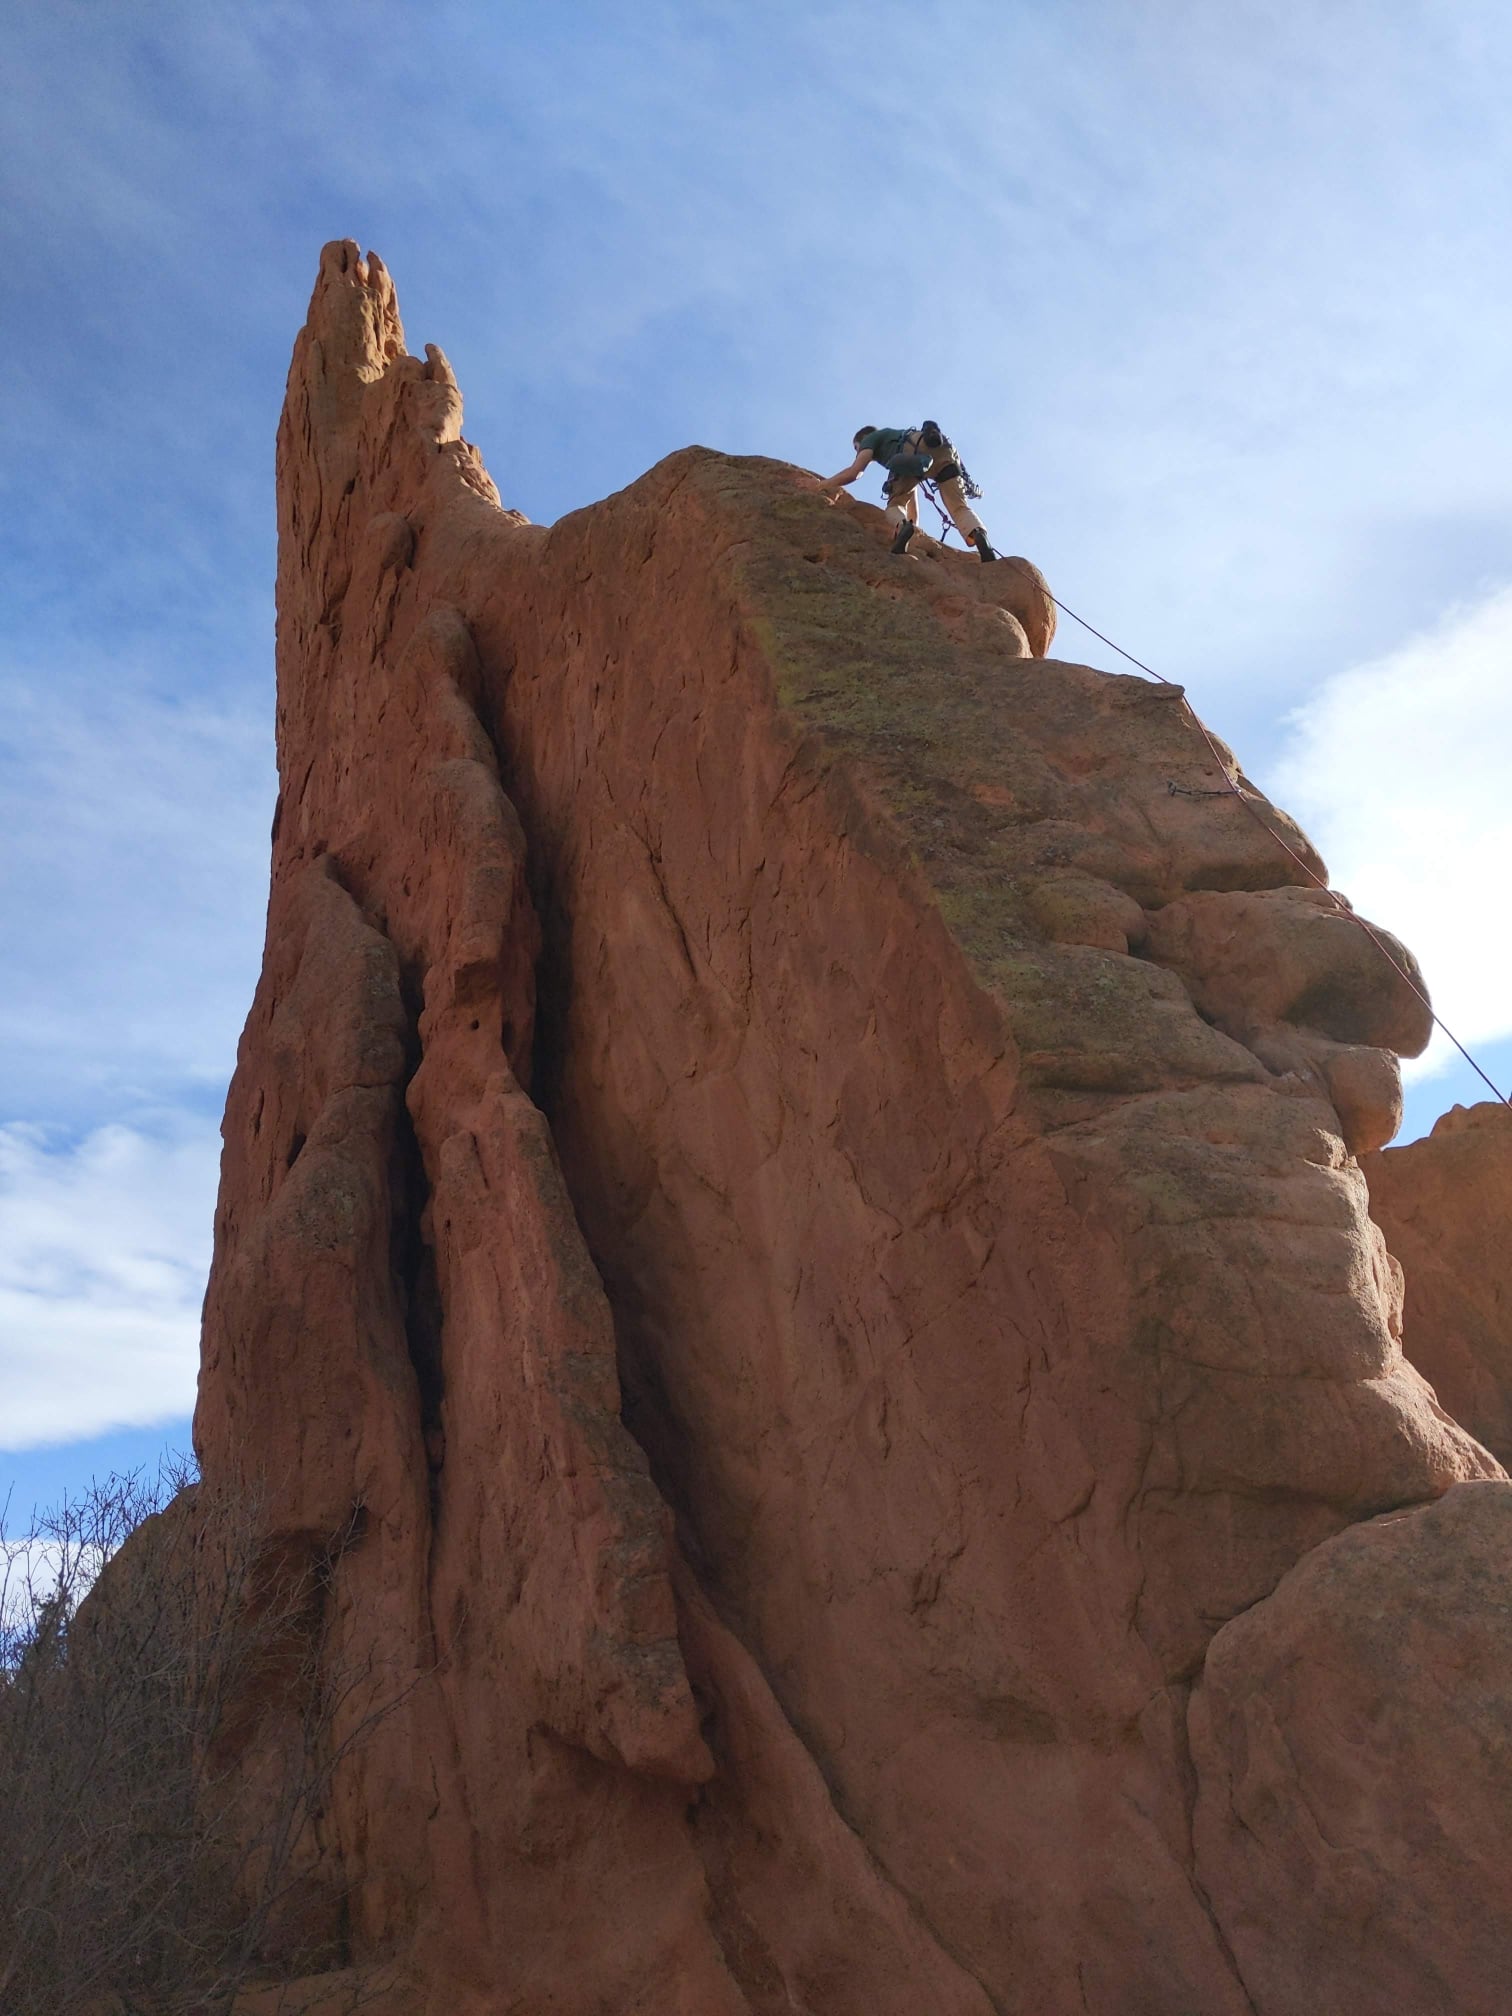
x=763, y=1193
x=1445, y=1205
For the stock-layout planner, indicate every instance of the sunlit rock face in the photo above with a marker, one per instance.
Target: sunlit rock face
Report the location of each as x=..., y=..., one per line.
x=795, y=1207
x=1445, y=1205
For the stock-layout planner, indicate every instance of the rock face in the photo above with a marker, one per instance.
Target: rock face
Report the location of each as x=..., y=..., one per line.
x=1445, y=1205
x=1350, y=1738
x=789, y=1226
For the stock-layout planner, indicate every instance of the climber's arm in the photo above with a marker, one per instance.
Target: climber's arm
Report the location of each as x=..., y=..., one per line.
x=838, y=483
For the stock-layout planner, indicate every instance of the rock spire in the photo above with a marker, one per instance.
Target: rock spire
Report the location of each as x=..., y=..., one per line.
x=790, y=1226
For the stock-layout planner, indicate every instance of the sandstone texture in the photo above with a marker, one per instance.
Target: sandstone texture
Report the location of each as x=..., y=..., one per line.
x=1350, y=1738
x=1445, y=1205
x=790, y=1226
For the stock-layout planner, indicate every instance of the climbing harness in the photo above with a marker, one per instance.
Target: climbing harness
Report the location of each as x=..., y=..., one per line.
x=929, y=436
x=907, y=469
x=927, y=485
x=946, y=526
x=1231, y=788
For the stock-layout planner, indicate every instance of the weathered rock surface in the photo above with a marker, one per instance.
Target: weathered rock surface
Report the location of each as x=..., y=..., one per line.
x=752, y=1197
x=1350, y=1736
x=1445, y=1205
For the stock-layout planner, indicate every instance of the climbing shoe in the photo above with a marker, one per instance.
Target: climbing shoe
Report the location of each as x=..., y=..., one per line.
x=901, y=538
x=980, y=541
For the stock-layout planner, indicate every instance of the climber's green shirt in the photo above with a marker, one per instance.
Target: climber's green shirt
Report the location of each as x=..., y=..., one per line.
x=883, y=443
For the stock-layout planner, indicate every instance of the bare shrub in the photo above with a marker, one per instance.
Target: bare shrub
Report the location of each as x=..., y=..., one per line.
x=170, y=1718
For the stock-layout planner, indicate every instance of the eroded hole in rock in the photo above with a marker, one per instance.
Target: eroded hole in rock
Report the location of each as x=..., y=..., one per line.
x=296, y=1149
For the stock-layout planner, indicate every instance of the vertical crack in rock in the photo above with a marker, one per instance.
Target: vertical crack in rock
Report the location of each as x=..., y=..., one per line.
x=415, y=1268
x=964, y=1127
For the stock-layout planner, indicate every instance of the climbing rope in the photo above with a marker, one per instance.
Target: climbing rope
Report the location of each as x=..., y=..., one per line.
x=946, y=527
x=1231, y=788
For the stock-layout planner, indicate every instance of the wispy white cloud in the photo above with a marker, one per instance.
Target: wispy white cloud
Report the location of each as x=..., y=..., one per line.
x=31, y=1570
x=1398, y=769
x=104, y=1246
x=132, y=891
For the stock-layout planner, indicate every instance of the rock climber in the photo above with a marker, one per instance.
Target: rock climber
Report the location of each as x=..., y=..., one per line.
x=911, y=456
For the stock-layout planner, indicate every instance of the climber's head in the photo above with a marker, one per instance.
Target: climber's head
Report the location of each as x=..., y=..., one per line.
x=860, y=435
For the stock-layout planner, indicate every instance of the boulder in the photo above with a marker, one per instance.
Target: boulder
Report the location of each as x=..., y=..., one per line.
x=1349, y=1735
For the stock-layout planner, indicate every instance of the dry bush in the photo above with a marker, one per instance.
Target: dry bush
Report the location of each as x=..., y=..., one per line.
x=170, y=1718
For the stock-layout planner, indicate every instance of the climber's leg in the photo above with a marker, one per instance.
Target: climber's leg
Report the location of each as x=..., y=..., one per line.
x=953, y=496
x=901, y=503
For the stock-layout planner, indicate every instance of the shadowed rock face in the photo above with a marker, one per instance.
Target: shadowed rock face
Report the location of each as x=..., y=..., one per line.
x=764, y=1190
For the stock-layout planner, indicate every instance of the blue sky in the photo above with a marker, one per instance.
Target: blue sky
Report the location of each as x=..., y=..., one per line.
x=1215, y=299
